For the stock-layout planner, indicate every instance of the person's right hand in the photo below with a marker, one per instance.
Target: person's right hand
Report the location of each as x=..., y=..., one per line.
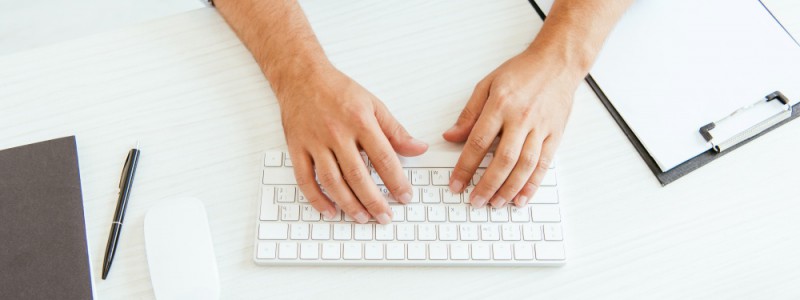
x=328, y=118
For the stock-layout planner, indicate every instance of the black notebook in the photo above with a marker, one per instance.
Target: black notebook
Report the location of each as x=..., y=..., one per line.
x=44, y=251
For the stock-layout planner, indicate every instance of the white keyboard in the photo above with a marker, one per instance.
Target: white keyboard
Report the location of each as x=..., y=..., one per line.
x=437, y=228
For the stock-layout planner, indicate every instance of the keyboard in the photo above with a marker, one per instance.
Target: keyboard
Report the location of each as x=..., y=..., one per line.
x=438, y=228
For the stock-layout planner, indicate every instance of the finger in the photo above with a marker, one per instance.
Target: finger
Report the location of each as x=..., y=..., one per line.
x=386, y=163
x=357, y=177
x=545, y=160
x=469, y=115
x=402, y=142
x=304, y=174
x=505, y=158
x=331, y=178
x=523, y=170
x=481, y=138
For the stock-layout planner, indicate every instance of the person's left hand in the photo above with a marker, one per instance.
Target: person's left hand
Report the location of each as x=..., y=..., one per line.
x=526, y=102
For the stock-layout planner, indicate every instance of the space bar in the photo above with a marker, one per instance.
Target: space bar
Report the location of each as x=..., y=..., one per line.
x=279, y=176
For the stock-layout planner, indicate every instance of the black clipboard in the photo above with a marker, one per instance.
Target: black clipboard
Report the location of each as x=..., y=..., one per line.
x=695, y=162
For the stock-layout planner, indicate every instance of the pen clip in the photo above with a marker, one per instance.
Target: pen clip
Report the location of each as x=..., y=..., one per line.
x=124, y=170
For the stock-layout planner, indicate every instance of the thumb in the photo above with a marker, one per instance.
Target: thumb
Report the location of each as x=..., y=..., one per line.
x=460, y=131
x=402, y=142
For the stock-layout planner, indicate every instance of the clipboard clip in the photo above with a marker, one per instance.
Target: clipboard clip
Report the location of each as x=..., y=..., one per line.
x=727, y=139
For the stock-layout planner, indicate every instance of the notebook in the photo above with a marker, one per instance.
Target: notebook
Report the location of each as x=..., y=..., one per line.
x=44, y=251
x=670, y=67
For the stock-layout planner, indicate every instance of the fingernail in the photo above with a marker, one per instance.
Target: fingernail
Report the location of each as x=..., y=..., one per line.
x=405, y=198
x=384, y=218
x=478, y=201
x=451, y=129
x=328, y=214
x=523, y=200
x=418, y=142
x=456, y=186
x=498, y=202
x=361, y=218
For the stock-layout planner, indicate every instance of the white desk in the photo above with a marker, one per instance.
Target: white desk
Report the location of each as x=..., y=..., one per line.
x=186, y=88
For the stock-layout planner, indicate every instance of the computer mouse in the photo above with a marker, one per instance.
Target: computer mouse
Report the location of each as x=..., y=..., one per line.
x=180, y=253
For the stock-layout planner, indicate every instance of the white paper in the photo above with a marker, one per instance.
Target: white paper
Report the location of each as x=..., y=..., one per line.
x=672, y=66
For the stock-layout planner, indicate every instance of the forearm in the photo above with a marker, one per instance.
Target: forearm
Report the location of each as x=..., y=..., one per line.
x=575, y=30
x=279, y=37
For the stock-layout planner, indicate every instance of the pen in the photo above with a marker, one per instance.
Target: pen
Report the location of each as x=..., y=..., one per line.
x=125, y=184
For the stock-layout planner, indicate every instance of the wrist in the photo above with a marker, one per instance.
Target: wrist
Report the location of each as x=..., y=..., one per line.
x=285, y=74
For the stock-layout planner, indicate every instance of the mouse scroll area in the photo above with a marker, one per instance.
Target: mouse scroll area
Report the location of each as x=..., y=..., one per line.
x=180, y=252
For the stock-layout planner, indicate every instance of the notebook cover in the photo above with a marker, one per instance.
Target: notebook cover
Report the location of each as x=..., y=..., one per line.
x=686, y=167
x=44, y=252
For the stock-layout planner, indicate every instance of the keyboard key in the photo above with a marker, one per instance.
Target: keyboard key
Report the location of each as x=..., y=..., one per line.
x=342, y=232
x=415, y=213
x=321, y=231
x=520, y=214
x=531, y=232
x=550, y=251
x=266, y=250
x=430, y=195
x=523, y=251
x=417, y=195
x=486, y=160
x=276, y=176
x=501, y=251
x=309, y=213
x=365, y=159
x=478, y=214
x=352, y=251
x=552, y=232
x=290, y=212
x=481, y=251
x=387, y=195
x=331, y=251
x=449, y=197
x=269, y=211
x=398, y=213
x=405, y=232
x=301, y=197
x=273, y=231
x=384, y=232
x=373, y=251
x=465, y=194
x=284, y=194
x=440, y=177
x=459, y=251
x=420, y=177
x=511, y=232
x=309, y=250
x=363, y=232
x=448, y=232
x=395, y=251
x=299, y=231
x=545, y=195
x=457, y=213
x=490, y=232
x=426, y=232
x=437, y=251
x=437, y=213
x=287, y=161
x=499, y=214
x=469, y=232
x=416, y=251
x=273, y=159
x=549, y=178
x=375, y=176
x=477, y=176
x=545, y=213
x=287, y=250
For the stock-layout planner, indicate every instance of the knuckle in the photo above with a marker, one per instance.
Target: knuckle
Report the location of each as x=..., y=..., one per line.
x=467, y=114
x=329, y=178
x=382, y=159
x=506, y=158
x=544, y=163
x=479, y=143
x=527, y=161
x=460, y=171
x=354, y=174
x=489, y=185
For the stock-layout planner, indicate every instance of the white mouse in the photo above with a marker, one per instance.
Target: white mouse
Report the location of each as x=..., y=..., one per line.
x=180, y=253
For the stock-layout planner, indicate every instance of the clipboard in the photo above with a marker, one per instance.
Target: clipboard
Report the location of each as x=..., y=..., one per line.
x=718, y=146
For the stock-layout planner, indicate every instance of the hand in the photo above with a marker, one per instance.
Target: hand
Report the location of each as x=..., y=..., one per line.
x=526, y=102
x=327, y=117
